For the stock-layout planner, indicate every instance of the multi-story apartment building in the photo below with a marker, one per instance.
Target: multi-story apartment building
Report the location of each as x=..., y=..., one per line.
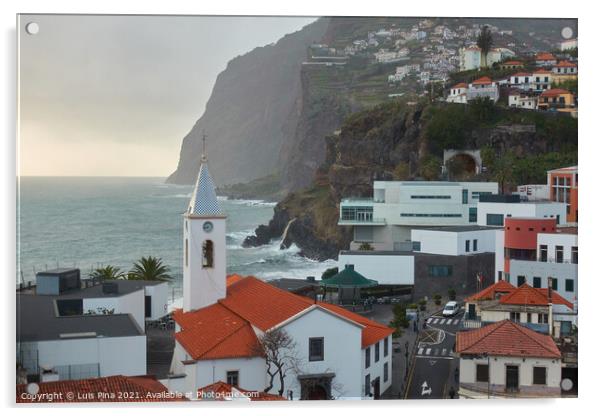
x=385, y=221
x=563, y=184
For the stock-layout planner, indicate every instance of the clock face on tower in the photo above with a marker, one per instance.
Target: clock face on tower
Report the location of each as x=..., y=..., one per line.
x=207, y=226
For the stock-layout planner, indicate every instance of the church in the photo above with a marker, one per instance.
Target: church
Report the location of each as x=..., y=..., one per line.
x=249, y=334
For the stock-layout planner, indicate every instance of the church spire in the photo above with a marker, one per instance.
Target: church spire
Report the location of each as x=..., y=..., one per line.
x=204, y=202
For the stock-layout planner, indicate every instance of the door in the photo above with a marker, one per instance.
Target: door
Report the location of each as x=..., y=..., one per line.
x=376, y=388
x=472, y=311
x=511, y=378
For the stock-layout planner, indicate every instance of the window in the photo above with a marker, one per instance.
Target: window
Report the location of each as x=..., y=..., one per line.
x=386, y=347
x=367, y=385
x=148, y=309
x=440, y=271
x=554, y=283
x=367, y=357
x=467, y=246
x=386, y=371
x=495, y=219
x=316, y=349
x=543, y=252
x=232, y=378
x=474, y=245
x=574, y=255
x=520, y=280
x=465, y=196
x=539, y=375
x=356, y=213
x=472, y=214
x=430, y=196
x=482, y=373
x=515, y=316
x=376, y=352
x=559, y=254
x=537, y=282
x=416, y=246
x=207, y=254
x=542, y=318
x=569, y=285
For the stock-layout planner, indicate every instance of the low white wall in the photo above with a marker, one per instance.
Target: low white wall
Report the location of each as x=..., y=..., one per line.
x=386, y=269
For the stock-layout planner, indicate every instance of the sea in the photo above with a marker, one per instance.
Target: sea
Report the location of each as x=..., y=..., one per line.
x=88, y=222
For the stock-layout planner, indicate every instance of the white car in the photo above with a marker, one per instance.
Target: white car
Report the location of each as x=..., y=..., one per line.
x=451, y=308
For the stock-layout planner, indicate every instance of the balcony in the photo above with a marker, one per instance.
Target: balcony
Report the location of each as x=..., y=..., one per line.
x=362, y=221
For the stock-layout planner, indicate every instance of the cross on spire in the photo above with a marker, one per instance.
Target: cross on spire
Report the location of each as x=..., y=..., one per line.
x=204, y=154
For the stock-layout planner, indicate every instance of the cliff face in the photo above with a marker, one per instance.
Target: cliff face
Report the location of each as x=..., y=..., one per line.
x=252, y=102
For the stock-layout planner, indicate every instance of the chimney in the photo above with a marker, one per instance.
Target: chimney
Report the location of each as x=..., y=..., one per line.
x=550, y=307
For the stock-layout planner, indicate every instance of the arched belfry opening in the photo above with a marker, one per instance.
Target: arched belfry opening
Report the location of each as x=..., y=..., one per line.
x=207, y=254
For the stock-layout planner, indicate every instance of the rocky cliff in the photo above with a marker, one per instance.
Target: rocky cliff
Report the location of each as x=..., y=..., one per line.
x=252, y=102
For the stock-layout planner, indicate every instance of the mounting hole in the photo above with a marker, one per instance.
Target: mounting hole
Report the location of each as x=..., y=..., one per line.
x=32, y=28
x=567, y=32
x=566, y=384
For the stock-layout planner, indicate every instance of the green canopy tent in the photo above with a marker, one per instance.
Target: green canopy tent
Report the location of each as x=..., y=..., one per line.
x=348, y=278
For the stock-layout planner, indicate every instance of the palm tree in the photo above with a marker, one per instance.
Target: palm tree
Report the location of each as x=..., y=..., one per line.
x=485, y=42
x=107, y=273
x=150, y=268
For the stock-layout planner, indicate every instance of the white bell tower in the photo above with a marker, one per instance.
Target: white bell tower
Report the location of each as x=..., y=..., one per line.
x=204, y=244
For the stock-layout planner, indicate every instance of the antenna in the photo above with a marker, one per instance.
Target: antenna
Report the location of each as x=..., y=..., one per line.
x=204, y=154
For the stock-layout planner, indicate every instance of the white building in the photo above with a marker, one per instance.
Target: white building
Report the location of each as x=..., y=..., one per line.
x=493, y=213
x=457, y=94
x=385, y=221
x=454, y=241
x=94, y=330
x=568, y=44
x=333, y=353
x=534, y=192
x=383, y=56
x=505, y=360
x=557, y=258
x=483, y=87
x=520, y=99
x=470, y=57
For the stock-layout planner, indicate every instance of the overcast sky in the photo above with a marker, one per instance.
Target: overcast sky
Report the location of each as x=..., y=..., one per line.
x=115, y=95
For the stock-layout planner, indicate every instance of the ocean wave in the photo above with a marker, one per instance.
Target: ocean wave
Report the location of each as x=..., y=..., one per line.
x=249, y=202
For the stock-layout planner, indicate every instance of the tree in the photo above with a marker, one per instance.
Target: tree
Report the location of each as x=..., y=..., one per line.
x=328, y=273
x=482, y=109
x=503, y=170
x=107, y=273
x=280, y=352
x=485, y=42
x=430, y=168
x=401, y=171
x=150, y=268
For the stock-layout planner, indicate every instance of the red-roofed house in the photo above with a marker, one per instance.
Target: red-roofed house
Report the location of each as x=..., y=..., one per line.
x=565, y=68
x=545, y=59
x=220, y=328
x=457, y=93
x=526, y=305
x=505, y=359
x=511, y=64
x=483, y=87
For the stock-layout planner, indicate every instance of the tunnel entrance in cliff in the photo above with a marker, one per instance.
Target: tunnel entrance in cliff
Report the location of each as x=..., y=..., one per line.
x=461, y=166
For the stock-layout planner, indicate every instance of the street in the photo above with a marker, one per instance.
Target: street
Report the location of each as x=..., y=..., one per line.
x=432, y=370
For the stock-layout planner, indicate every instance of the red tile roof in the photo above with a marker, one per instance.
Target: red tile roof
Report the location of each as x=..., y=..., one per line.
x=460, y=85
x=222, y=391
x=565, y=64
x=542, y=71
x=215, y=332
x=521, y=74
x=506, y=338
x=512, y=63
x=545, y=56
x=528, y=295
x=224, y=330
x=233, y=278
x=104, y=389
x=482, y=80
x=500, y=287
x=554, y=91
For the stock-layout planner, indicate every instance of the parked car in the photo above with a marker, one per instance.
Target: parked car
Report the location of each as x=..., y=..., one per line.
x=451, y=308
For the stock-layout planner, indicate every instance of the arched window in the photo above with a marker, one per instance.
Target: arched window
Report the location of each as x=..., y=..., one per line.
x=207, y=253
